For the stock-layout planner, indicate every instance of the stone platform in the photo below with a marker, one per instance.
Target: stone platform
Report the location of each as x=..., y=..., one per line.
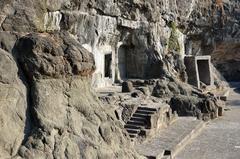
x=220, y=138
x=172, y=139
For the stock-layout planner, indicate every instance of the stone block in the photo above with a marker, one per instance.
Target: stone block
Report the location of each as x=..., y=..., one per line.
x=127, y=87
x=220, y=111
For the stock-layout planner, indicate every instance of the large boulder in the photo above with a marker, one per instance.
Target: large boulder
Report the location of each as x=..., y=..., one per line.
x=204, y=106
x=186, y=105
x=70, y=122
x=166, y=88
x=45, y=56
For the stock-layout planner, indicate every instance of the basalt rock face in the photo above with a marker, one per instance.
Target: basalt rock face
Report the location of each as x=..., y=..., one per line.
x=226, y=59
x=69, y=121
x=72, y=124
x=56, y=56
x=214, y=30
x=145, y=31
x=14, y=122
x=47, y=67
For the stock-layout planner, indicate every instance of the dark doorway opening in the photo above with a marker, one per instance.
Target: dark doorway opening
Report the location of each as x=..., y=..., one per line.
x=204, y=71
x=131, y=62
x=122, y=66
x=107, y=67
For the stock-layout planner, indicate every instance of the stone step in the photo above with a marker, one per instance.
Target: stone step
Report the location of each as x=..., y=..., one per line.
x=136, y=123
x=132, y=126
x=172, y=139
x=140, y=115
x=145, y=112
x=147, y=108
x=138, y=119
x=133, y=135
x=133, y=131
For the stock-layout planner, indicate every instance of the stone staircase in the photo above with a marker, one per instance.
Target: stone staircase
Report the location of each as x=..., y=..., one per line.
x=139, y=121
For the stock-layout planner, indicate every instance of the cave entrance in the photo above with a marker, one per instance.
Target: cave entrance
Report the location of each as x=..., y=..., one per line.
x=129, y=65
x=199, y=70
x=131, y=62
x=204, y=71
x=107, y=66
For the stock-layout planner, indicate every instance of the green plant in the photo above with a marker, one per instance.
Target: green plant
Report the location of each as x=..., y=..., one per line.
x=173, y=44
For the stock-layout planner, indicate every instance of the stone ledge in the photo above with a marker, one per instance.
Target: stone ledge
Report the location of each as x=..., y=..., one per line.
x=171, y=139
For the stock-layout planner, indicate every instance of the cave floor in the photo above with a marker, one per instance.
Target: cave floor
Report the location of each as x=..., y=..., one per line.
x=220, y=139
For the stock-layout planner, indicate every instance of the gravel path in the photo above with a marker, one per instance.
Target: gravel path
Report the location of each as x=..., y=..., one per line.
x=221, y=138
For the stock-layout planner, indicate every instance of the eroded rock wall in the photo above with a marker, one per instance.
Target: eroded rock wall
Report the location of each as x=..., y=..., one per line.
x=13, y=107
x=214, y=30
x=53, y=51
x=148, y=30
x=69, y=121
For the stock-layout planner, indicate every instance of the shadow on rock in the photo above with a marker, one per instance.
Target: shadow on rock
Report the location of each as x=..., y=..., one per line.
x=237, y=90
x=234, y=103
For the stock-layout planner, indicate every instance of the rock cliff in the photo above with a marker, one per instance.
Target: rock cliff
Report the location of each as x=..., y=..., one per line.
x=52, y=53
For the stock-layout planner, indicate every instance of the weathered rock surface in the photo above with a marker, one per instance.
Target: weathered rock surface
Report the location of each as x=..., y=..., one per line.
x=43, y=56
x=186, y=106
x=13, y=107
x=226, y=59
x=73, y=124
x=55, y=43
x=204, y=107
x=69, y=120
x=147, y=30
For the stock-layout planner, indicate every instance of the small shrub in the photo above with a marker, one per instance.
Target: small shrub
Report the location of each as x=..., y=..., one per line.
x=173, y=44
